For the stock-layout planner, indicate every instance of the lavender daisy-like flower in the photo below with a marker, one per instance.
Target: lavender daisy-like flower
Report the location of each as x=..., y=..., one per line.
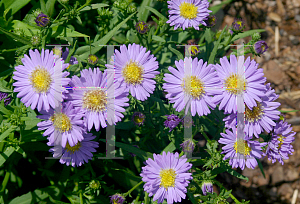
x=239, y=77
x=172, y=121
x=117, y=199
x=72, y=61
x=40, y=80
x=42, y=20
x=192, y=84
x=4, y=96
x=65, y=127
x=207, y=187
x=280, y=147
x=188, y=13
x=104, y=101
x=260, y=117
x=194, y=49
x=166, y=177
x=240, y=151
x=238, y=24
x=211, y=20
x=141, y=27
x=188, y=146
x=78, y=154
x=260, y=47
x=135, y=68
x=93, y=59
x=138, y=118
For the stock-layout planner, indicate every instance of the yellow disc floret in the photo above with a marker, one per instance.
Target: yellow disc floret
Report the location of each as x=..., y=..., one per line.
x=94, y=100
x=255, y=114
x=133, y=73
x=73, y=149
x=193, y=86
x=40, y=79
x=280, y=139
x=167, y=178
x=61, y=122
x=235, y=84
x=241, y=146
x=188, y=10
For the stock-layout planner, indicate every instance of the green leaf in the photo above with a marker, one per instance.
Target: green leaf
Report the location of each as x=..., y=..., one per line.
x=15, y=36
x=261, y=168
x=4, y=110
x=245, y=34
x=6, y=154
x=30, y=197
x=4, y=89
x=50, y=7
x=286, y=111
x=96, y=46
x=30, y=122
x=43, y=7
x=125, y=125
x=156, y=13
x=158, y=39
x=216, y=8
x=176, y=52
x=15, y=6
x=94, y=6
x=207, y=35
x=170, y=148
x=6, y=133
x=214, y=51
x=142, y=12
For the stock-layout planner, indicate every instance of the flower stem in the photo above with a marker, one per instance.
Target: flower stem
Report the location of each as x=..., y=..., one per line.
x=134, y=187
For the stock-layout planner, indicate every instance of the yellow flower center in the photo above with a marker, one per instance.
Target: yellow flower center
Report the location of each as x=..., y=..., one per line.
x=280, y=139
x=239, y=23
x=94, y=100
x=193, y=86
x=235, y=84
x=241, y=146
x=167, y=178
x=188, y=10
x=194, y=50
x=133, y=73
x=137, y=119
x=61, y=122
x=255, y=114
x=57, y=51
x=73, y=149
x=40, y=79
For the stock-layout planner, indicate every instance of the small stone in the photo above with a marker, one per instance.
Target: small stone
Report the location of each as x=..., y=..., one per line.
x=277, y=175
x=285, y=190
x=274, y=16
x=295, y=41
x=297, y=18
x=291, y=175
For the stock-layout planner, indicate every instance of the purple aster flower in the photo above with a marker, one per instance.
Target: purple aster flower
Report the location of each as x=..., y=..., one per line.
x=65, y=127
x=239, y=77
x=187, y=121
x=166, y=177
x=172, y=121
x=42, y=20
x=260, y=117
x=92, y=59
x=141, y=27
x=280, y=146
x=238, y=24
x=117, y=199
x=136, y=68
x=207, y=187
x=40, y=80
x=186, y=14
x=138, y=118
x=192, y=85
x=72, y=61
x=240, y=151
x=103, y=102
x=78, y=154
x=188, y=146
x=260, y=47
x=194, y=49
x=4, y=96
x=211, y=21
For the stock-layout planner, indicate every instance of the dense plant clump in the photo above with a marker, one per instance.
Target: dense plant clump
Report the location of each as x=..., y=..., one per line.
x=101, y=105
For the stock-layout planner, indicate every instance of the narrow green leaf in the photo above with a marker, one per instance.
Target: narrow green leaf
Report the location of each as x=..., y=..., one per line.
x=30, y=197
x=207, y=35
x=96, y=46
x=6, y=154
x=43, y=7
x=94, y=6
x=214, y=51
x=245, y=34
x=291, y=111
x=170, y=148
x=15, y=36
x=3, y=109
x=15, y=6
x=6, y=133
x=50, y=7
x=153, y=10
x=158, y=39
x=261, y=167
x=176, y=52
x=142, y=12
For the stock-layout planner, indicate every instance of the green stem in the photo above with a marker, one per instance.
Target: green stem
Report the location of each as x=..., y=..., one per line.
x=203, y=133
x=157, y=49
x=81, y=198
x=232, y=196
x=5, y=181
x=84, y=5
x=134, y=187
